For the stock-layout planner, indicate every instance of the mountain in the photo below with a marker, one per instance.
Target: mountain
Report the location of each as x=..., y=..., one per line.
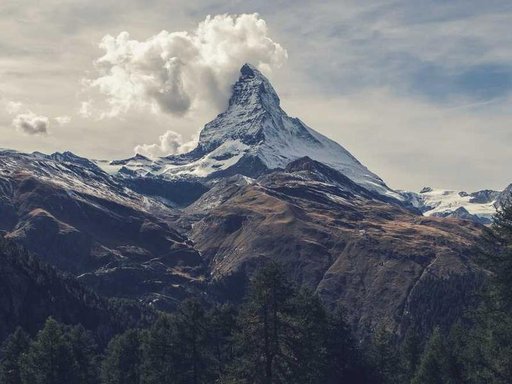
x=252, y=137
x=260, y=186
x=71, y=214
x=32, y=291
x=477, y=206
x=505, y=196
x=345, y=242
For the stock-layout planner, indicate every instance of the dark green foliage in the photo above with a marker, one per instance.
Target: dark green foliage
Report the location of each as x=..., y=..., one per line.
x=384, y=356
x=33, y=291
x=265, y=331
x=410, y=354
x=123, y=360
x=159, y=353
x=222, y=323
x=49, y=359
x=442, y=302
x=479, y=350
x=194, y=365
x=10, y=356
x=285, y=335
x=346, y=362
x=434, y=365
x=497, y=257
x=84, y=351
x=190, y=346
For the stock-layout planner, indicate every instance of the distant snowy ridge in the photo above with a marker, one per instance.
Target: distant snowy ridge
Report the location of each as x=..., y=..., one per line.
x=477, y=206
x=252, y=136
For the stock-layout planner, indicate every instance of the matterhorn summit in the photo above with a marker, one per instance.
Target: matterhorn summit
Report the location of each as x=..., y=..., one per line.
x=254, y=136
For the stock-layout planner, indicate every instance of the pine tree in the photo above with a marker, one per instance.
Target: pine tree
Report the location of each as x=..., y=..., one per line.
x=122, y=363
x=160, y=354
x=434, y=364
x=497, y=257
x=308, y=339
x=10, y=354
x=84, y=351
x=222, y=324
x=346, y=360
x=49, y=360
x=192, y=342
x=384, y=356
x=282, y=335
x=491, y=341
x=260, y=344
x=410, y=354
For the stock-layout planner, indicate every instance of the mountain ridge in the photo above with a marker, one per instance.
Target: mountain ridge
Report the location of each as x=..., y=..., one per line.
x=254, y=136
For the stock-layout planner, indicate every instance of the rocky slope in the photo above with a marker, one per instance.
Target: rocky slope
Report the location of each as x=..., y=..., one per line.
x=78, y=218
x=347, y=243
x=32, y=291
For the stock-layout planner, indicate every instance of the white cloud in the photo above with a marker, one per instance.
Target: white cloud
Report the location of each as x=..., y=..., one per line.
x=173, y=71
x=170, y=143
x=13, y=107
x=63, y=120
x=31, y=124
x=85, y=109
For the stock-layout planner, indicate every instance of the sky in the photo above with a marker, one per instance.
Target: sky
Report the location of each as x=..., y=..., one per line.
x=419, y=91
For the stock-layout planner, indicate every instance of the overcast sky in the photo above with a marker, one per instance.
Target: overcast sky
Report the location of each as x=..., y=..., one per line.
x=418, y=91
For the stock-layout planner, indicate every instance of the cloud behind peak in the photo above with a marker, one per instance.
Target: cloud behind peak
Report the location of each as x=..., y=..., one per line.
x=171, y=72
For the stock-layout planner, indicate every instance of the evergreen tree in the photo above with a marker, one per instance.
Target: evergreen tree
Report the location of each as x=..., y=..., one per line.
x=122, y=362
x=498, y=257
x=384, y=356
x=434, y=366
x=491, y=342
x=84, y=350
x=178, y=348
x=346, y=362
x=49, y=360
x=264, y=329
x=222, y=323
x=160, y=353
x=192, y=342
x=10, y=354
x=309, y=333
x=410, y=354
x=283, y=334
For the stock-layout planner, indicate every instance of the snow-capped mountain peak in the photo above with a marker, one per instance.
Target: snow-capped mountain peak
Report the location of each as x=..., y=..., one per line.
x=253, y=136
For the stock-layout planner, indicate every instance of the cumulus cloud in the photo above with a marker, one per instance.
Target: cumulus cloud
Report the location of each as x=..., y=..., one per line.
x=31, y=124
x=13, y=107
x=63, y=120
x=170, y=143
x=171, y=71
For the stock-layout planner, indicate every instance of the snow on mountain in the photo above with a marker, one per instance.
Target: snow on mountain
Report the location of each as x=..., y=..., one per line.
x=505, y=196
x=78, y=176
x=252, y=136
x=477, y=206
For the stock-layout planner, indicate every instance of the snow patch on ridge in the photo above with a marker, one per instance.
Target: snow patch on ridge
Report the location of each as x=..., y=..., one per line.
x=440, y=202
